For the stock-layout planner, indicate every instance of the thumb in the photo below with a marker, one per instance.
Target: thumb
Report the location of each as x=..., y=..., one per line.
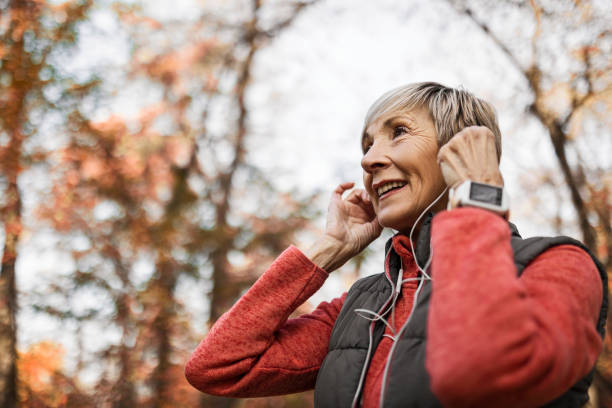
x=450, y=176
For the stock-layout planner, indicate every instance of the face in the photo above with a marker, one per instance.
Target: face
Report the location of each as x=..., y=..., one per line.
x=400, y=169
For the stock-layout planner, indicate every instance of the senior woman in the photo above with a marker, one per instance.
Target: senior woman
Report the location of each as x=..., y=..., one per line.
x=466, y=312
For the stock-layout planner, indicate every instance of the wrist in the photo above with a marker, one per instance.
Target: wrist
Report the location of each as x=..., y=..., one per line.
x=472, y=193
x=328, y=253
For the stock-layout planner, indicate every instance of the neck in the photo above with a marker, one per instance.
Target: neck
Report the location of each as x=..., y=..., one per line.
x=441, y=202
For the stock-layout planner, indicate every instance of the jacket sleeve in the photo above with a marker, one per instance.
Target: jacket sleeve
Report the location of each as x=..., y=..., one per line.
x=254, y=349
x=498, y=340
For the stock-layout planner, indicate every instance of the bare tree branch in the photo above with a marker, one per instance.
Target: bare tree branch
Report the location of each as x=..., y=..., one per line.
x=556, y=131
x=485, y=28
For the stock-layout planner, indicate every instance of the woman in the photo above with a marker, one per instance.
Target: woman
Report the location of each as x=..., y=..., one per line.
x=470, y=316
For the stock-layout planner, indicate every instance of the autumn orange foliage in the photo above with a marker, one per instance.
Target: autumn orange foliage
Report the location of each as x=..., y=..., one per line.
x=41, y=380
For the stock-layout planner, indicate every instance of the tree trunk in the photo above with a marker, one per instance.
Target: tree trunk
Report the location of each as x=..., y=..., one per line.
x=10, y=165
x=124, y=393
x=8, y=297
x=162, y=328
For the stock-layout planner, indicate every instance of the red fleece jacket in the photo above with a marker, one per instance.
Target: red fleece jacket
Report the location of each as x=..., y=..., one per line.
x=493, y=339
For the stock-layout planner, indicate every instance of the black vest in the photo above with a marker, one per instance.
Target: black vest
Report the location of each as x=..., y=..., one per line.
x=352, y=344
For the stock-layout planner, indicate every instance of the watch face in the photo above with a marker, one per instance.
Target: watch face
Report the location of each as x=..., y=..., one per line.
x=486, y=193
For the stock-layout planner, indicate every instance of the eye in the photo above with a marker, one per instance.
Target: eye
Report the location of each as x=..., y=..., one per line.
x=366, y=147
x=399, y=130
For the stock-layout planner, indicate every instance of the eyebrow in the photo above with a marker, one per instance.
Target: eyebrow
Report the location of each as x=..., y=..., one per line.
x=365, y=136
x=405, y=116
x=387, y=123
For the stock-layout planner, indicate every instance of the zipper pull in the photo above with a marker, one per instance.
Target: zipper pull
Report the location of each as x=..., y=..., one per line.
x=398, y=286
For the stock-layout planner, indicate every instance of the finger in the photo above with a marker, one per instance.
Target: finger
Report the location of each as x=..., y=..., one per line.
x=365, y=197
x=354, y=196
x=450, y=175
x=368, y=205
x=367, y=201
x=343, y=187
x=369, y=209
x=362, y=200
x=453, y=160
x=492, y=150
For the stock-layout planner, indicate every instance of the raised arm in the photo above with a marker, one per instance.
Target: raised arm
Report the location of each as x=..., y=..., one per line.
x=254, y=349
x=495, y=339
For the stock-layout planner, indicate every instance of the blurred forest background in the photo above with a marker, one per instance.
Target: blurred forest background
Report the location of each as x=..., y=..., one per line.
x=156, y=156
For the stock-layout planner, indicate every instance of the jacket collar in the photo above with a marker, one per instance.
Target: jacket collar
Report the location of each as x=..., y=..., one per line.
x=422, y=245
x=421, y=248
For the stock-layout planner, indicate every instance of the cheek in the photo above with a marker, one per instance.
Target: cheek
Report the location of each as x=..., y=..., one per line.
x=435, y=171
x=431, y=176
x=429, y=164
x=415, y=156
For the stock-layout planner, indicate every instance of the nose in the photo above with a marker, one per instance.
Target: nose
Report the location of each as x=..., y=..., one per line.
x=375, y=158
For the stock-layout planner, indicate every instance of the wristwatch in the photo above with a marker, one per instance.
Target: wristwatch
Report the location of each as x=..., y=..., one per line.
x=472, y=194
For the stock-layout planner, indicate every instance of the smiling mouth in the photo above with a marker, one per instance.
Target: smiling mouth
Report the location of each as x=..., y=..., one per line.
x=389, y=188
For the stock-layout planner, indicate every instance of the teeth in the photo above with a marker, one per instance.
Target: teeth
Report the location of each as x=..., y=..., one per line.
x=388, y=186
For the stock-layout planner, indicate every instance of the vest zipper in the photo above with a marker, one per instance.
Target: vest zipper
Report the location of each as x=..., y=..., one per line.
x=367, y=359
x=383, y=385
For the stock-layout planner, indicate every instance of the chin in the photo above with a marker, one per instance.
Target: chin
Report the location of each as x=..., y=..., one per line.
x=398, y=222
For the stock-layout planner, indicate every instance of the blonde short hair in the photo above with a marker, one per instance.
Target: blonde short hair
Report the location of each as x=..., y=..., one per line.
x=451, y=109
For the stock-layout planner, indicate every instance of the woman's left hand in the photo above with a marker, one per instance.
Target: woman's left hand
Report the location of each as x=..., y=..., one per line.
x=470, y=155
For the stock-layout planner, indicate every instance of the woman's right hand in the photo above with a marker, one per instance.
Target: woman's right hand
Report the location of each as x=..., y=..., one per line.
x=351, y=226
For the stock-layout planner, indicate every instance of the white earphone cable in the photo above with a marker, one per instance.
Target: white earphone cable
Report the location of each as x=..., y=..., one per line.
x=398, y=287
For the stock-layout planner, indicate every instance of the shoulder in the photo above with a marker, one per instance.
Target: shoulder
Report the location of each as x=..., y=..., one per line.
x=558, y=265
x=369, y=283
x=369, y=290
x=529, y=249
x=567, y=258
